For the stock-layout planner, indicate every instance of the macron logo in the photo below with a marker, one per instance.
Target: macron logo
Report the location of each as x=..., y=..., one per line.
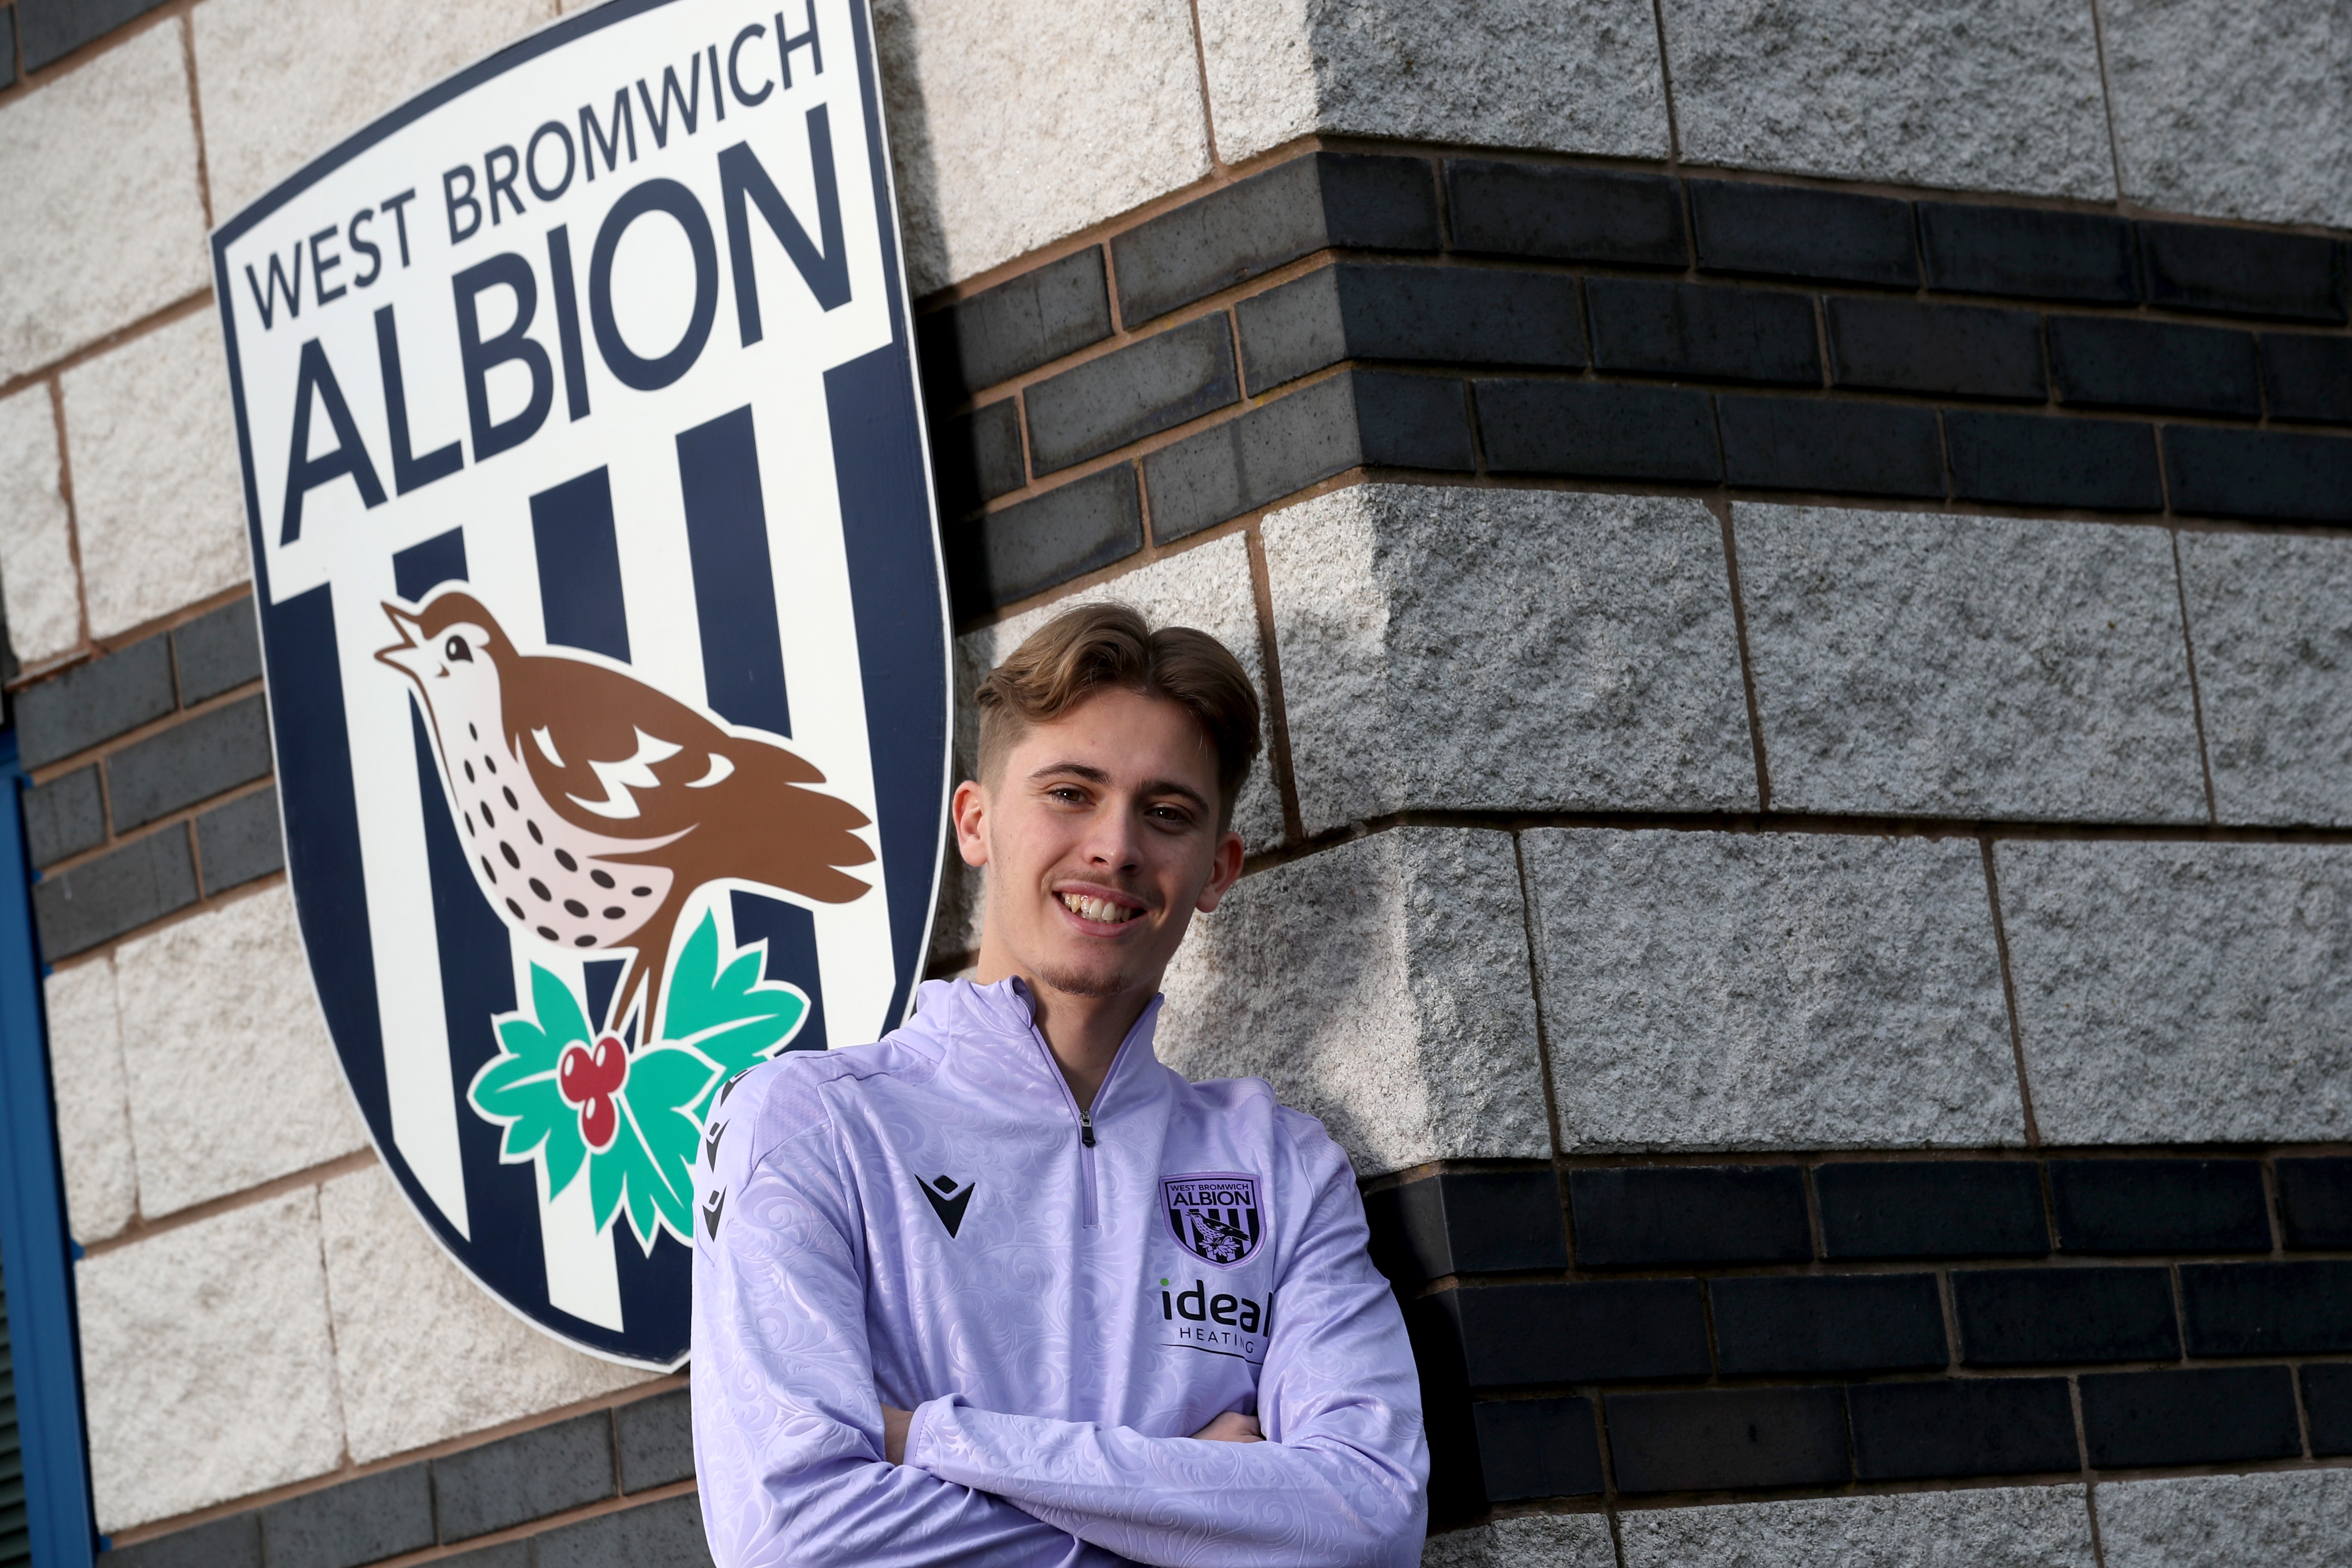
x=948, y=1198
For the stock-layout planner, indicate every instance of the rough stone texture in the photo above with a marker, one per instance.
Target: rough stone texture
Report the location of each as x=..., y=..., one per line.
x=422, y=1352
x=1968, y=667
x=92, y=1107
x=279, y=85
x=36, y=568
x=232, y=1082
x=2271, y=618
x=1539, y=1540
x=206, y=1363
x=2175, y=992
x=91, y=242
x=1382, y=986
x=159, y=504
x=1981, y=95
x=2303, y=1517
x=1014, y=122
x=2015, y=1527
x=1207, y=587
x=2233, y=108
x=1775, y=990
x=1468, y=649
x=1572, y=76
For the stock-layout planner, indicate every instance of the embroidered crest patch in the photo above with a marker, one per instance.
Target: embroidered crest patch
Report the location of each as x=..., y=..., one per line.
x=1214, y=1216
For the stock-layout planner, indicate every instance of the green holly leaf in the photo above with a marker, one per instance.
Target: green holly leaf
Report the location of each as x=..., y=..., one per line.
x=733, y=1017
x=517, y=1088
x=650, y=1166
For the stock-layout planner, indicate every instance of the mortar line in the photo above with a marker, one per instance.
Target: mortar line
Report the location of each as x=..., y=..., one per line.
x=1208, y=109
x=2009, y=993
x=2196, y=694
x=73, y=513
x=1531, y=924
x=196, y=117
x=1277, y=713
x=2107, y=101
x=1666, y=91
x=1722, y=510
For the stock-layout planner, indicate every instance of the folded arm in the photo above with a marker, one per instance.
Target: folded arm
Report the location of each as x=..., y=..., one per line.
x=787, y=1426
x=1340, y=1479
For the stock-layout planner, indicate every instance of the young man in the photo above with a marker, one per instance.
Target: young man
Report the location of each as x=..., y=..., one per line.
x=1003, y=1290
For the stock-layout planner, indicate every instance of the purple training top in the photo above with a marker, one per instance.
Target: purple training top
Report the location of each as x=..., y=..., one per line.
x=1059, y=1299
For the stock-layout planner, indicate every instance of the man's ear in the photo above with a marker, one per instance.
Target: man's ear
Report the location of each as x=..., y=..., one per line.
x=970, y=810
x=1224, y=871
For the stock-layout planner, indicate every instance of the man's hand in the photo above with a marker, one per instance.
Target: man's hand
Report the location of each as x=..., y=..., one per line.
x=1232, y=1427
x=895, y=1423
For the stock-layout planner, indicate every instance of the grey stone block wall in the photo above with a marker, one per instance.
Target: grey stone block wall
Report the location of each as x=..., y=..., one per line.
x=1769, y=991
x=2182, y=993
x=1980, y=668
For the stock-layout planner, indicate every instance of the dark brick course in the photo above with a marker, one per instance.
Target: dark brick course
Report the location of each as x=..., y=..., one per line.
x=2048, y=1317
x=2258, y=473
x=97, y=901
x=1704, y=1440
x=2315, y=1201
x=664, y=1534
x=1467, y=1222
x=1931, y=1209
x=2267, y=1309
x=1131, y=393
x=2244, y=272
x=1014, y=328
x=1569, y=215
x=2120, y=363
x=2307, y=377
x=1597, y=429
x=1816, y=444
x=2327, y=1406
x=231, y=1542
x=1030, y=546
x=64, y=816
x=1598, y=1333
x=240, y=841
x=2159, y=1205
x=2197, y=1416
x=1355, y=418
x=217, y=652
x=1537, y=1448
x=1715, y=330
x=977, y=457
x=1836, y=1322
x=1949, y=350
x=1644, y=1217
x=8, y=46
x=1962, y=1426
x=93, y=702
x=529, y=1476
x=53, y=30
x=189, y=761
x=352, y=1523
x=656, y=1440
x=1784, y=231
x=2033, y=459
x=1352, y=201
x=1462, y=315
x=2028, y=252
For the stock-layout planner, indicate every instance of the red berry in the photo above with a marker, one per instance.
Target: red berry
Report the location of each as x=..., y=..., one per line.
x=598, y=1122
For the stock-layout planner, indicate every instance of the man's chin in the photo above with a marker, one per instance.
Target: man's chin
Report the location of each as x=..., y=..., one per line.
x=1087, y=980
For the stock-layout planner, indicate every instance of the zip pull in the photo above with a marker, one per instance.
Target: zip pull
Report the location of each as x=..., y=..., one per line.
x=1086, y=1130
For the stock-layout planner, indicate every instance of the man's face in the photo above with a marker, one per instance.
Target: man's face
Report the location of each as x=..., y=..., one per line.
x=1100, y=840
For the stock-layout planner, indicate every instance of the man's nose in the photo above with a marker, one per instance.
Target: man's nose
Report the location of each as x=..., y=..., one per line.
x=1113, y=842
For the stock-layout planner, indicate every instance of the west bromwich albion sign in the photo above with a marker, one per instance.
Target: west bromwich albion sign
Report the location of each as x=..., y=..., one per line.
x=604, y=616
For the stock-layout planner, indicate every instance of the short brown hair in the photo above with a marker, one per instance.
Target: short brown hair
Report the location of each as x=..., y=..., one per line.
x=1093, y=647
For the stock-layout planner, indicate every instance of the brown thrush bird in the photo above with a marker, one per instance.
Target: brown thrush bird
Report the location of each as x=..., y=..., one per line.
x=593, y=806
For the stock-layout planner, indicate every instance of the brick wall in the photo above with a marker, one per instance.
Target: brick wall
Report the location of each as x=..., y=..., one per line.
x=1793, y=559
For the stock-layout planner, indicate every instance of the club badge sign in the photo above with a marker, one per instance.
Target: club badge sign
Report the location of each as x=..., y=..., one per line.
x=603, y=614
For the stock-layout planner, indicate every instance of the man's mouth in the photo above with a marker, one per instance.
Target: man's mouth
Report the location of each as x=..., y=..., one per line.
x=1101, y=910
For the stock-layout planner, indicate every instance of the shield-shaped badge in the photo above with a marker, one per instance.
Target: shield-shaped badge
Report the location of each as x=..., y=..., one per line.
x=1214, y=1216
x=604, y=617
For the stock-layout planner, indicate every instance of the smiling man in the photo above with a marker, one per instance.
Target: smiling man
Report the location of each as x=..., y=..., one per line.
x=1002, y=1288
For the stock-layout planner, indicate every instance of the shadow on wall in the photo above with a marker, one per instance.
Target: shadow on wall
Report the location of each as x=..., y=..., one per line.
x=908, y=118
